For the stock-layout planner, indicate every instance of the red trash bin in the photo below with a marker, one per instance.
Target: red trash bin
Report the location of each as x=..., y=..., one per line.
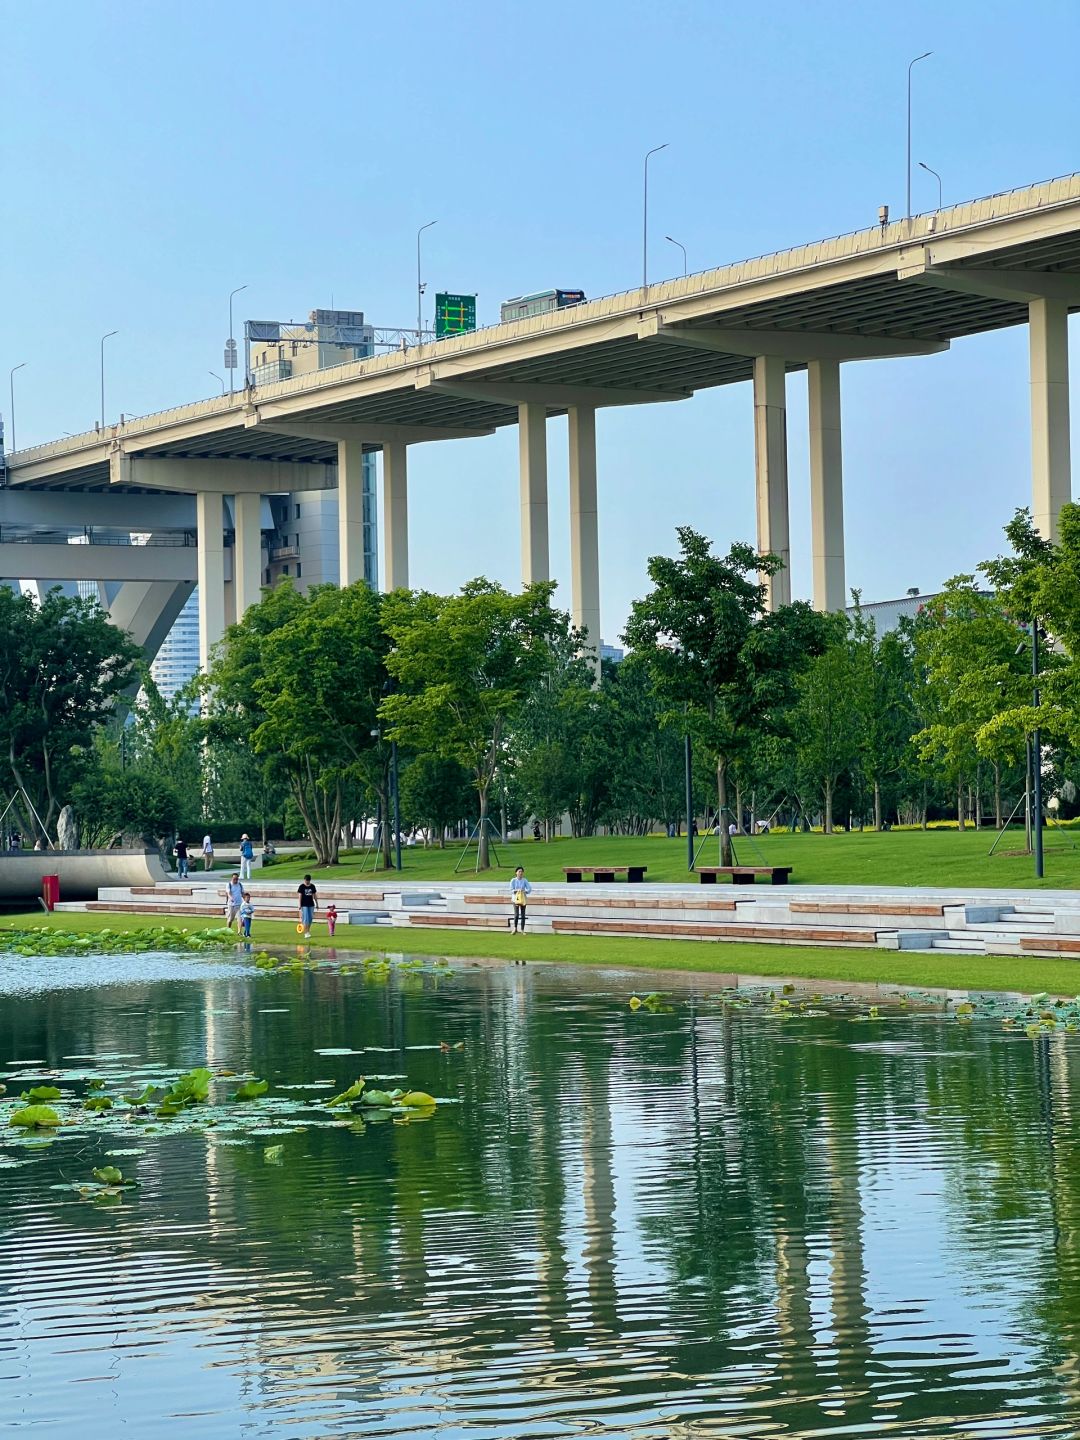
x=50, y=890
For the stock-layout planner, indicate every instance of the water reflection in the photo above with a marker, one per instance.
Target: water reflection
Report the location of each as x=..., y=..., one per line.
x=716, y=1221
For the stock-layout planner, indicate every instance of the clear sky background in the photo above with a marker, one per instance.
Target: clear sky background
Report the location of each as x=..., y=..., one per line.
x=155, y=155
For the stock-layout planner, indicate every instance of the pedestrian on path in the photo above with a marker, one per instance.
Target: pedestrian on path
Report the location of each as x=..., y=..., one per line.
x=307, y=898
x=182, y=861
x=207, y=853
x=247, y=910
x=234, y=896
x=520, y=890
x=247, y=855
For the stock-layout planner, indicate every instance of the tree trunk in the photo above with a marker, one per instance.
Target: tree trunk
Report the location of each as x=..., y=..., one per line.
x=976, y=801
x=959, y=805
x=483, y=861
x=503, y=831
x=923, y=817
x=998, y=821
x=738, y=803
x=827, y=824
x=877, y=804
x=721, y=802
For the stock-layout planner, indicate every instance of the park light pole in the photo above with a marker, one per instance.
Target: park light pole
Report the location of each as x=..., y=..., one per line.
x=931, y=171
x=103, y=339
x=420, y=285
x=11, y=392
x=218, y=378
x=682, y=247
x=230, y=348
x=645, y=217
x=925, y=56
x=1036, y=758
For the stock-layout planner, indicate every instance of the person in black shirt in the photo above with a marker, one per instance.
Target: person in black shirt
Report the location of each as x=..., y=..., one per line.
x=308, y=903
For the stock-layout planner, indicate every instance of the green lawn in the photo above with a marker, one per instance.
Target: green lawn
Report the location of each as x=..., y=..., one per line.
x=898, y=857
x=949, y=971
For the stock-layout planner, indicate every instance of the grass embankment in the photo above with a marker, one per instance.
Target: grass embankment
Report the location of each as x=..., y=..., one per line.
x=951, y=971
x=896, y=857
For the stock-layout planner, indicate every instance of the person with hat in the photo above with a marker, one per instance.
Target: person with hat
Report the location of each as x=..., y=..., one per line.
x=247, y=855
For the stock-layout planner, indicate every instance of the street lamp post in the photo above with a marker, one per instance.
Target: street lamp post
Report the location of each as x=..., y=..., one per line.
x=218, y=378
x=645, y=218
x=397, y=803
x=420, y=285
x=930, y=171
x=11, y=391
x=231, y=347
x=925, y=56
x=682, y=247
x=103, y=339
x=688, y=755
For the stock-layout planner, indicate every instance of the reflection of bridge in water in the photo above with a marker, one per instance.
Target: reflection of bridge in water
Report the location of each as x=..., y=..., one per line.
x=906, y=288
x=705, y=1215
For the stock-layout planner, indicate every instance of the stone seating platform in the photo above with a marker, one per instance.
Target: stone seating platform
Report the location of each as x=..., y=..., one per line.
x=982, y=922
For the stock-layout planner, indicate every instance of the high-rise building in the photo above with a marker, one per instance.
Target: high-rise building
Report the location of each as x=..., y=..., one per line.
x=178, y=659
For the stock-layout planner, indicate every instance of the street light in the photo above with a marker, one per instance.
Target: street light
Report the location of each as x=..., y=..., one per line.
x=923, y=166
x=103, y=339
x=645, y=218
x=420, y=284
x=230, y=360
x=11, y=389
x=925, y=56
x=682, y=247
x=1036, y=757
x=218, y=378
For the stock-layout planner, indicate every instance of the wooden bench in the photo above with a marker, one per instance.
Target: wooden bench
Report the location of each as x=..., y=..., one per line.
x=604, y=874
x=745, y=874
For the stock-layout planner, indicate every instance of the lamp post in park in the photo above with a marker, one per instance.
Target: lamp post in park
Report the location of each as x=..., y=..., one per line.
x=1036, y=759
x=925, y=56
x=645, y=217
x=420, y=285
x=230, y=344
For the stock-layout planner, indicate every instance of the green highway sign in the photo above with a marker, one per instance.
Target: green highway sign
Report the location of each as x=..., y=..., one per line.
x=454, y=314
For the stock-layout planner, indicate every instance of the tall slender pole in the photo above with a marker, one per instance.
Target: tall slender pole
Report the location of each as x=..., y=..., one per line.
x=910, y=67
x=11, y=390
x=930, y=171
x=682, y=247
x=689, y=756
x=645, y=218
x=103, y=339
x=218, y=378
x=397, y=802
x=420, y=285
x=1036, y=758
x=232, y=342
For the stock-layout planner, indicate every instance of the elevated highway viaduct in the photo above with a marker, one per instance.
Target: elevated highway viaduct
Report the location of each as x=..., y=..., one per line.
x=905, y=288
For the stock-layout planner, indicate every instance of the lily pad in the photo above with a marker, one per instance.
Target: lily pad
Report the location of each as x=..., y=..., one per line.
x=36, y=1117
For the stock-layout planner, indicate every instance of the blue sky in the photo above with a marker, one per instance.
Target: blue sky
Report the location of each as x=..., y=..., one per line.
x=156, y=155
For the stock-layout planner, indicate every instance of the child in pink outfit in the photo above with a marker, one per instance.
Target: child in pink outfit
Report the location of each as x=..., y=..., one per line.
x=331, y=918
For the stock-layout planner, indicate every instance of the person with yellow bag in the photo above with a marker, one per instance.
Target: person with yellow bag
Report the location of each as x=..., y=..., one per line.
x=520, y=890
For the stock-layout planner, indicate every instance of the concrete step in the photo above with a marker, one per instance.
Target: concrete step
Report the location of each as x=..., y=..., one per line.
x=969, y=943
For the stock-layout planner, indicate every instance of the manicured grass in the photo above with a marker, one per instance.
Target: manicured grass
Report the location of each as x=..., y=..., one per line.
x=896, y=857
x=952, y=971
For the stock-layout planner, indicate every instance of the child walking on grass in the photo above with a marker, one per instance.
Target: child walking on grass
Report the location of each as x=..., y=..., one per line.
x=247, y=910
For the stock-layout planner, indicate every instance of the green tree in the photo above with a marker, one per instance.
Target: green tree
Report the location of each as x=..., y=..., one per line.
x=435, y=793
x=826, y=720
x=721, y=664
x=302, y=677
x=63, y=669
x=977, y=668
x=137, y=805
x=466, y=665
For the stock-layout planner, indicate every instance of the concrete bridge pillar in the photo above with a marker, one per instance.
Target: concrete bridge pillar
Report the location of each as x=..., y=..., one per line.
x=350, y=472
x=395, y=516
x=210, y=518
x=247, y=553
x=826, y=485
x=770, y=454
x=584, y=532
x=532, y=454
x=1051, y=465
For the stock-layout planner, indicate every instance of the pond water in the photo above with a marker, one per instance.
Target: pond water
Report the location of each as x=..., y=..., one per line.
x=729, y=1216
